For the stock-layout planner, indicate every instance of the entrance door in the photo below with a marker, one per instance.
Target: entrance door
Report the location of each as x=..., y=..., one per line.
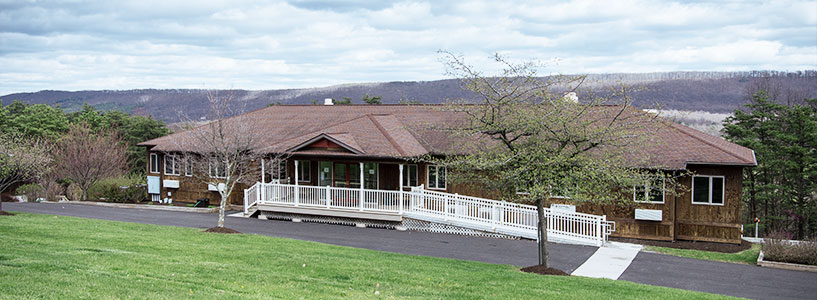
x=346, y=175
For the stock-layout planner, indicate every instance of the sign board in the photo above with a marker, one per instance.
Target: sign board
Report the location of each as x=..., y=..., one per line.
x=567, y=208
x=171, y=184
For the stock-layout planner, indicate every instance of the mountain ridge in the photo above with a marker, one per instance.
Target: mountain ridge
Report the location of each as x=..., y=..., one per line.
x=694, y=90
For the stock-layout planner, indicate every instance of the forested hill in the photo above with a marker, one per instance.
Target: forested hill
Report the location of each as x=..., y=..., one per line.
x=704, y=91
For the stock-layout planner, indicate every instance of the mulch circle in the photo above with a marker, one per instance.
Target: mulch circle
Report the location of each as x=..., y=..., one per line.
x=540, y=269
x=694, y=245
x=221, y=230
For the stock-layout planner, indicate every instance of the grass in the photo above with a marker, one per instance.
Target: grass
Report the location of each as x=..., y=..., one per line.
x=58, y=257
x=748, y=256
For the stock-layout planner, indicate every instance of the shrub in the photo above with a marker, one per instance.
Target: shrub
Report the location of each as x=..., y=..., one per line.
x=125, y=189
x=31, y=191
x=778, y=248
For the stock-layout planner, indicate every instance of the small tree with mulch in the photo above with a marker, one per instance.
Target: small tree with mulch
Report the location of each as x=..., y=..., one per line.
x=221, y=153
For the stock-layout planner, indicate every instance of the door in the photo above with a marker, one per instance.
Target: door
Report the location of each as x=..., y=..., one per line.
x=324, y=173
x=346, y=175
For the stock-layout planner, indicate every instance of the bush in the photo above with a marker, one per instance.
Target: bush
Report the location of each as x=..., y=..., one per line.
x=778, y=248
x=126, y=189
x=31, y=191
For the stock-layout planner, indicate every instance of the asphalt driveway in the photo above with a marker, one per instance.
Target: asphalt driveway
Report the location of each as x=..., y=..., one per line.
x=649, y=268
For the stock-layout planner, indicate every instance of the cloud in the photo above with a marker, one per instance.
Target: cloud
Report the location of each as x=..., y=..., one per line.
x=265, y=45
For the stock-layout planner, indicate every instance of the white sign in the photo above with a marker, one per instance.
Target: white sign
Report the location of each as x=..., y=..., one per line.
x=563, y=208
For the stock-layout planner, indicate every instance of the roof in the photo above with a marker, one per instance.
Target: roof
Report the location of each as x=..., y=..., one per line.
x=404, y=131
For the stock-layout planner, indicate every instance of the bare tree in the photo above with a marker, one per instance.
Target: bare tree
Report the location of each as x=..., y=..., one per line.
x=22, y=160
x=534, y=143
x=85, y=157
x=222, y=153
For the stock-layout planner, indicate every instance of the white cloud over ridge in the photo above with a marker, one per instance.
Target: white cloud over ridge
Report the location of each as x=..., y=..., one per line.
x=267, y=45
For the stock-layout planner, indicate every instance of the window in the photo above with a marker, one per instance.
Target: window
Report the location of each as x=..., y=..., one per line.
x=650, y=192
x=171, y=165
x=188, y=167
x=304, y=168
x=436, y=177
x=218, y=170
x=410, y=175
x=708, y=190
x=154, y=163
x=278, y=171
x=370, y=173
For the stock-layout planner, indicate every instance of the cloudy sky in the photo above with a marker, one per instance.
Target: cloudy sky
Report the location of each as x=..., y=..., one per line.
x=82, y=45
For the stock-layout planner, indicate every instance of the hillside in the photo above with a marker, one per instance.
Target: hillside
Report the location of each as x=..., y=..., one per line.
x=717, y=92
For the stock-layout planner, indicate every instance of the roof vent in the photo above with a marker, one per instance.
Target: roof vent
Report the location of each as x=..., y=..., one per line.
x=328, y=101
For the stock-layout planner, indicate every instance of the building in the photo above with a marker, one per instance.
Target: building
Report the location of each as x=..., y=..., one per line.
x=371, y=148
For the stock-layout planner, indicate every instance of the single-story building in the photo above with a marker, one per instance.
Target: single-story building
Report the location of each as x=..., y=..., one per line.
x=373, y=147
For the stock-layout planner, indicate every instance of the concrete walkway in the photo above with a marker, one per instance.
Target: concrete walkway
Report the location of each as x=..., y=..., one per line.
x=610, y=261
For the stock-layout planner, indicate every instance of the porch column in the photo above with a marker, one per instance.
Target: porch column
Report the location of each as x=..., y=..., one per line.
x=296, y=183
x=263, y=172
x=361, y=186
x=400, y=191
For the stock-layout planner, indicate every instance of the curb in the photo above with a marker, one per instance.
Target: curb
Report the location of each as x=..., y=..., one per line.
x=203, y=210
x=783, y=265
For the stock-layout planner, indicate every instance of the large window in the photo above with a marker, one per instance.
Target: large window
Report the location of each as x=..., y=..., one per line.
x=278, y=169
x=708, y=190
x=154, y=163
x=651, y=191
x=188, y=167
x=172, y=165
x=410, y=175
x=436, y=177
x=304, y=170
x=218, y=170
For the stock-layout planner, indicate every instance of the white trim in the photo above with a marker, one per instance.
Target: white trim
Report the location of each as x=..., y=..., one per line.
x=153, y=158
x=437, y=178
x=175, y=171
x=711, y=188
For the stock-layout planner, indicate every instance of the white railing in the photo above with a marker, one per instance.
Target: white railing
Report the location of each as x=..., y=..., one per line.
x=507, y=218
x=465, y=211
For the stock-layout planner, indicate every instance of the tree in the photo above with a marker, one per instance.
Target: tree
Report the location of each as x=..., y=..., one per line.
x=534, y=143
x=780, y=190
x=346, y=100
x=37, y=120
x=85, y=156
x=22, y=160
x=221, y=153
x=372, y=99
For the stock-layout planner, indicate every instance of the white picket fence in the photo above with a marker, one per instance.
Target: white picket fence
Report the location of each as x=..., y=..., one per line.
x=432, y=206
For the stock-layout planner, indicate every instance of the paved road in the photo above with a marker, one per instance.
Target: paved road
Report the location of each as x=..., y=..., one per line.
x=649, y=268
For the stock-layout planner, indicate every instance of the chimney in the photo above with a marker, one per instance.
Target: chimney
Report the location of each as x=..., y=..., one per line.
x=328, y=101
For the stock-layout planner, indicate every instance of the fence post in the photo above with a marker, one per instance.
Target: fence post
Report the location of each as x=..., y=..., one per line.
x=295, y=189
x=245, y=202
x=263, y=192
x=445, y=205
x=494, y=214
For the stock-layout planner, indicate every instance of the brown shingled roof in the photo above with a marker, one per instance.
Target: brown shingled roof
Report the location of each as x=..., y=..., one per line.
x=401, y=131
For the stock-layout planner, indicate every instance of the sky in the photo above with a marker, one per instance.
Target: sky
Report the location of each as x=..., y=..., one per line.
x=114, y=45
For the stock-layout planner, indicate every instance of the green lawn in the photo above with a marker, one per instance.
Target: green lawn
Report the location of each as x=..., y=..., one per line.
x=748, y=256
x=59, y=257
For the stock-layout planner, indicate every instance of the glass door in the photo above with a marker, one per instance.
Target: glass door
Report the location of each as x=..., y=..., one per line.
x=324, y=173
x=346, y=175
